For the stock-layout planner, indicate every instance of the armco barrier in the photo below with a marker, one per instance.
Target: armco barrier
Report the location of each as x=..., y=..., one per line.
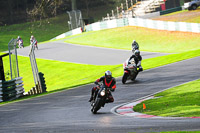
x=12, y=89
x=165, y=25
x=147, y=23
x=69, y=33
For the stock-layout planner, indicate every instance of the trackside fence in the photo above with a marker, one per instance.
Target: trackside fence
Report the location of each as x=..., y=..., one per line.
x=140, y=22
x=12, y=89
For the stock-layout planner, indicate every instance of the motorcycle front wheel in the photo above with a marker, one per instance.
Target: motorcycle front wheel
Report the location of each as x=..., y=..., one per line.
x=124, y=78
x=97, y=106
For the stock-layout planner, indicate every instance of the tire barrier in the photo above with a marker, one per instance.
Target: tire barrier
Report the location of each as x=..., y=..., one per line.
x=37, y=90
x=12, y=89
x=34, y=91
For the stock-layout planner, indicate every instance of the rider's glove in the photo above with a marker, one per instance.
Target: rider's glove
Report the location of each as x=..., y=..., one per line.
x=140, y=69
x=96, y=83
x=111, y=89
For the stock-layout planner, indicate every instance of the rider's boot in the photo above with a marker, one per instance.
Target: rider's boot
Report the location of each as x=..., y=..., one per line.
x=91, y=98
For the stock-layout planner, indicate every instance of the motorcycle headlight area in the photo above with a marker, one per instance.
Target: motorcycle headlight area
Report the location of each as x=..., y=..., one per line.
x=103, y=93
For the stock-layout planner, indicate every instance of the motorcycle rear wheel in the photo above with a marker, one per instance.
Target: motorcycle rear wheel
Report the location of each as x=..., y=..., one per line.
x=124, y=78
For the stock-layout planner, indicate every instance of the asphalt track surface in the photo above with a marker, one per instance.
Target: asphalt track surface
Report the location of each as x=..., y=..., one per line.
x=69, y=111
x=83, y=54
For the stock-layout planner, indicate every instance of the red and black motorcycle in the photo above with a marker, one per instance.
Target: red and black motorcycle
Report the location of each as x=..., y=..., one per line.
x=99, y=99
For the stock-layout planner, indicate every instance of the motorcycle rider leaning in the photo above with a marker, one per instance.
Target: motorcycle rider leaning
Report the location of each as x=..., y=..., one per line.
x=109, y=82
x=138, y=58
x=135, y=46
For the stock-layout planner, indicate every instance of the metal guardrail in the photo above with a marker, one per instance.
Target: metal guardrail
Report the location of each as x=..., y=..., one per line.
x=12, y=89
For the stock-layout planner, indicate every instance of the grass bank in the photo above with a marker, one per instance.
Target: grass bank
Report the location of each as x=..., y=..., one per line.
x=60, y=75
x=44, y=31
x=148, y=39
x=180, y=101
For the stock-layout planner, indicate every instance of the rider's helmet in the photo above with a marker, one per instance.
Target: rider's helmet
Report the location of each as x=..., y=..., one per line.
x=133, y=42
x=18, y=37
x=32, y=37
x=134, y=46
x=137, y=53
x=108, y=75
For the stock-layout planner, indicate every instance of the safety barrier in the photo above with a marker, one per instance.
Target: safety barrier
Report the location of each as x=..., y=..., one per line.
x=165, y=25
x=69, y=33
x=147, y=23
x=33, y=91
x=12, y=89
x=37, y=90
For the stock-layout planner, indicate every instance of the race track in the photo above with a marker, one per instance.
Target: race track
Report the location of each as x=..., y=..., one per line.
x=69, y=110
x=83, y=54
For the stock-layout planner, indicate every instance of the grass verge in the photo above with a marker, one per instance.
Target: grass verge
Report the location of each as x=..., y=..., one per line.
x=180, y=101
x=44, y=31
x=61, y=75
x=148, y=39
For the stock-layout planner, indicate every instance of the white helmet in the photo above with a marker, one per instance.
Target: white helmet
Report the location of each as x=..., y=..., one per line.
x=108, y=74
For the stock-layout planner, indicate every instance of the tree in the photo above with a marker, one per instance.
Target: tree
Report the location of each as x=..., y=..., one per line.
x=45, y=9
x=74, y=7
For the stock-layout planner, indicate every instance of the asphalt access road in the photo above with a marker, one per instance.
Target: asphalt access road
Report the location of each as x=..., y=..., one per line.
x=83, y=54
x=69, y=111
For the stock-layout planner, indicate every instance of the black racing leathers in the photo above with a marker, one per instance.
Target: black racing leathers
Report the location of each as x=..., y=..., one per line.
x=137, y=59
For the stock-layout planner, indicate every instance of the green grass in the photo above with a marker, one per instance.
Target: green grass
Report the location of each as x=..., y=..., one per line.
x=46, y=31
x=148, y=39
x=180, y=101
x=164, y=60
x=63, y=75
x=60, y=75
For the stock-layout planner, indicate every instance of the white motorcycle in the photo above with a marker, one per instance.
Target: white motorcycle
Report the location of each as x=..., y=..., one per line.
x=130, y=70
